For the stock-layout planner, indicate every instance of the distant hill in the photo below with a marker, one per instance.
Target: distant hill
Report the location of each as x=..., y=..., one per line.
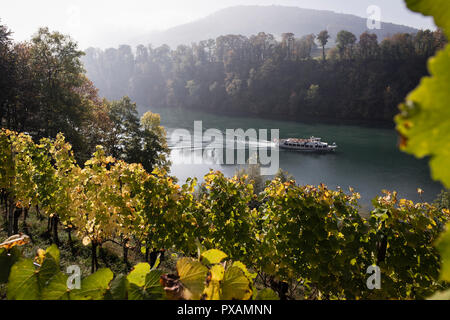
x=248, y=20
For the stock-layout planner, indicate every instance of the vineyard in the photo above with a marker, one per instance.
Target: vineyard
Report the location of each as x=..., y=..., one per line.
x=287, y=242
x=308, y=238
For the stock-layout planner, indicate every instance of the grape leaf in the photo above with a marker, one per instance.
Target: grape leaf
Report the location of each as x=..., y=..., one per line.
x=444, y=250
x=49, y=268
x=7, y=260
x=56, y=289
x=94, y=286
x=424, y=118
x=23, y=281
x=267, y=294
x=439, y=9
x=153, y=286
x=213, y=256
x=118, y=288
x=235, y=285
x=193, y=275
x=138, y=274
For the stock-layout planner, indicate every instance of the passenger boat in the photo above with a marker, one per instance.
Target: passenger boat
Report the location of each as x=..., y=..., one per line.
x=312, y=144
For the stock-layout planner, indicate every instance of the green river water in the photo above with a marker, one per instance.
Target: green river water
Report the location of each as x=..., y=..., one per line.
x=367, y=159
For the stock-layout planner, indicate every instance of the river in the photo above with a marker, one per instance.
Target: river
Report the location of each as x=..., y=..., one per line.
x=367, y=159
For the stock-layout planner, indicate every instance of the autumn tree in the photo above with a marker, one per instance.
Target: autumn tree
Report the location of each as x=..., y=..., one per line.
x=368, y=45
x=155, y=151
x=323, y=40
x=345, y=44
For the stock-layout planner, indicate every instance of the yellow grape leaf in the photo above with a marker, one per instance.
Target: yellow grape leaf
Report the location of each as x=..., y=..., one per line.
x=213, y=256
x=235, y=285
x=138, y=274
x=193, y=276
x=217, y=272
x=212, y=291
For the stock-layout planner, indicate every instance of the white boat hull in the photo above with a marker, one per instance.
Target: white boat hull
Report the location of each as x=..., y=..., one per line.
x=307, y=146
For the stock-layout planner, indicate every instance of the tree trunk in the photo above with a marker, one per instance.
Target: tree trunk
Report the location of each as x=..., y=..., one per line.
x=381, y=250
x=103, y=257
x=280, y=287
x=11, y=218
x=4, y=201
x=125, y=255
x=38, y=213
x=54, y=223
x=147, y=249
x=17, y=214
x=69, y=233
x=94, y=265
x=25, y=226
x=49, y=225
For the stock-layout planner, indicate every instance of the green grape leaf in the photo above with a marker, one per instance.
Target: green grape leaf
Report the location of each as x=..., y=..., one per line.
x=242, y=266
x=7, y=260
x=94, y=286
x=150, y=289
x=193, y=276
x=57, y=288
x=137, y=293
x=48, y=269
x=153, y=286
x=423, y=120
x=138, y=274
x=439, y=9
x=118, y=289
x=444, y=250
x=54, y=252
x=212, y=256
x=23, y=282
x=267, y=294
x=235, y=285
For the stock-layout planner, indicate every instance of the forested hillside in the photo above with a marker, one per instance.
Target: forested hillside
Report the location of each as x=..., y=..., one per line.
x=359, y=79
x=248, y=20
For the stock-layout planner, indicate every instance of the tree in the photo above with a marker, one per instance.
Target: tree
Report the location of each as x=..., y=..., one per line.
x=323, y=40
x=304, y=46
x=155, y=151
x=124, y=138
x=56, y=65
x=284, y=176
x=7, y=80
x=345, y=43
x=368, y=45
x=287, y=44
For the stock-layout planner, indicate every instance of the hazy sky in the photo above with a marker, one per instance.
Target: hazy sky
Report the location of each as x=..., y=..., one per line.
x=103, y=23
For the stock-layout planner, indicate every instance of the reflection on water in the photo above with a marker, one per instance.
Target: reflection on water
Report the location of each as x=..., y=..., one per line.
x=367, y=159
